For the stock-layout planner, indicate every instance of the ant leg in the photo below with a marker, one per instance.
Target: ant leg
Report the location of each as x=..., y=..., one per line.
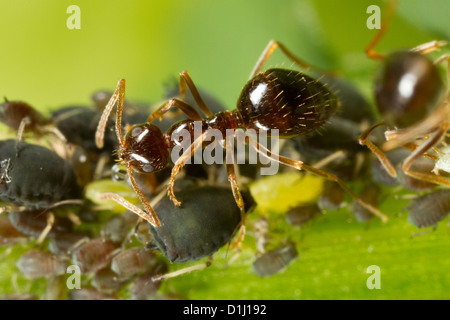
x=184, y=270
x=299, y=165
x=150, y=216
x=119, y=94
x=236, y=192
x=370, y=52
x=400, y=137
x=126, y=204
x=380, y=155
x=183, y=106
x=419, y=152
x=270, y=48
x=185, y=79
x=181, y=161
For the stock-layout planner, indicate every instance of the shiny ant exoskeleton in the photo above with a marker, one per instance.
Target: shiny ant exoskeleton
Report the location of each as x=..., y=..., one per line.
x=286, y=100
x=413, y=101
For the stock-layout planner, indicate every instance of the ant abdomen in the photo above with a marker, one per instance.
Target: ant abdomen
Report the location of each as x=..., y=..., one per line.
x=408, y=87
x=287, y=100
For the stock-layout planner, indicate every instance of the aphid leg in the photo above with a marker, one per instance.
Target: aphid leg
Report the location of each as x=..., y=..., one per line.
x=181, y=161
x=119, y=94
x=411, y=147
x=417, y=234
x=329, y=159
x=184, y=270
x=370, y=52
x=183, y=106
x=47, y=229
x=441, y=59
x=77, y=244
x=186, y=80
x=270, y=48
x=236, y=192
x=425, y=176
x=153, y=220
x=299, y=165
x=99, y=170
x=380, y=155
x=428, y=47
x=23, y=123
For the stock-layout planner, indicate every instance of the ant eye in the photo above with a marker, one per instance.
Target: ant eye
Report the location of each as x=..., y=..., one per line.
x=136, y=131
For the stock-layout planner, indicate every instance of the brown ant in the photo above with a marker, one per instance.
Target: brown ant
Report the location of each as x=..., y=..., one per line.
x=282, y=99
x=413, y=102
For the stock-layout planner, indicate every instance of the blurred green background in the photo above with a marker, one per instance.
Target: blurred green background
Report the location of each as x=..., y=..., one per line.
x=218, y=42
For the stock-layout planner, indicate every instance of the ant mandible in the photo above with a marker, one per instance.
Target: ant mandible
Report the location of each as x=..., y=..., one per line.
x=287, y=100
x=413, y=102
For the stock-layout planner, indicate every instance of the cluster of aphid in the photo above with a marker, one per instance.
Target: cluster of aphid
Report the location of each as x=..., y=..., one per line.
x=43, y=187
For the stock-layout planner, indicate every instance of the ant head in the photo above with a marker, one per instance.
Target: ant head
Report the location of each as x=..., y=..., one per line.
x=144, y=148
x=408, y=87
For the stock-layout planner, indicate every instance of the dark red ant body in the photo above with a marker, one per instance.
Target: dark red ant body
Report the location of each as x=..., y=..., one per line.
x=286, y=100
x=413, y=103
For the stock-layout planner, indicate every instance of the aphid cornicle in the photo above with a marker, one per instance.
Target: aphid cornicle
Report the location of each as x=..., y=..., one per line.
x=276, y=99
x=34, y=176
x=413, y=101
